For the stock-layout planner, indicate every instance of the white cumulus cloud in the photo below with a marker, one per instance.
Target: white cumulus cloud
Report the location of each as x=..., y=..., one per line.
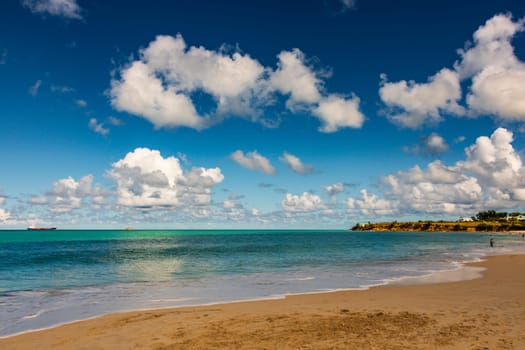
x=491, y=176
x=160, y=84
x=498, y=76
x=498, y=166
x=141, y=92
x=371, y=205
x=307, y=202
x=438, y=189
x=295, y=78
x=253, y=161
x=414, y=104
x=499, y=92
x=492, y=46
x=68, y=194
x=489, y=64
x=145, y=179
x=337, y=112
x=4, y=215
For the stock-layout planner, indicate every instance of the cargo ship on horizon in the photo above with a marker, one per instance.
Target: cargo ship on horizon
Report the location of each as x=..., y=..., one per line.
x=41, y=228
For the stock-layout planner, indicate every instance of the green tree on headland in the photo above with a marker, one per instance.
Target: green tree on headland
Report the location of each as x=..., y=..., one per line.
x=490, y=215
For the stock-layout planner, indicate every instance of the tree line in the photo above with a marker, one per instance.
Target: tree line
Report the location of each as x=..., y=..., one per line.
x=492, y=215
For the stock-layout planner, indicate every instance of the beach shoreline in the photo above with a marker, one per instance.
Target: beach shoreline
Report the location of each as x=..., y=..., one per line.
x=461, y=272
x=481, y=312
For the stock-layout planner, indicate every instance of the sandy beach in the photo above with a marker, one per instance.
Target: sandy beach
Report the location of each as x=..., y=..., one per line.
x=484, y=313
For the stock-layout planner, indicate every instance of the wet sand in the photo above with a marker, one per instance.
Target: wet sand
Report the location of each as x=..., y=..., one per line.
x=484, y=313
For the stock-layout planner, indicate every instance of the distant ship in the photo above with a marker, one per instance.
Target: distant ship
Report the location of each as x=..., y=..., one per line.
x=41, y=228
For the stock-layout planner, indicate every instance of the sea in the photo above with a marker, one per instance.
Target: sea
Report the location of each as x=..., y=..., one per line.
x=48, y=278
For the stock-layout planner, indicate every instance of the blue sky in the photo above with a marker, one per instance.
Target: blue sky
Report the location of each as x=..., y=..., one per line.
x=265, y=114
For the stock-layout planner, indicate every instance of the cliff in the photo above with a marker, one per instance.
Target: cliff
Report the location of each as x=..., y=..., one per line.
x=442, y=226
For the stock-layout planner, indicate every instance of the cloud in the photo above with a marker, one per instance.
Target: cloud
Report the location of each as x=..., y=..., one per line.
x=304, y=87
x=98, y=127
x=195, y=186
x=306, y=202
x=371, y=205
x=144, y=179
x=499, y=92
x=228, y=204
x=142, y=93
x=334, y=189
x=438, y=189
x=491, y=176
x=68, y=194
x=412, y=104
x=337, y=112
x=492, y=46
x=232, y=211
x=61, y=8
x=295, y=164
x=253, y=161
x=498, y=166
x=496, y=76
x=147, y=180
x=115, y=121
x=4, y=216
x=432, y=145
x=38, y=200
x=61, y=89
x=160, y=86
x=459, y=139
x=33, y=90
x=81, y=103
x=295, y=78
x=347, y=4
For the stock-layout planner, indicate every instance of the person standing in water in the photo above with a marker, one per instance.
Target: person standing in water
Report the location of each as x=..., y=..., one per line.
x=491, y=242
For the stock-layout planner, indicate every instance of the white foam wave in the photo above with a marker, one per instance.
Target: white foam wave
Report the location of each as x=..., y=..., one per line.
x=310, y=278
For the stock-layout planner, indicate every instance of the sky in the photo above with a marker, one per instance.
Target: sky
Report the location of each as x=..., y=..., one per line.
x=260, y=114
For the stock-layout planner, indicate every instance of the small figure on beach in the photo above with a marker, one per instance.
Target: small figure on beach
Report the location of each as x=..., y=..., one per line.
x=523, y=235
x=491, y=242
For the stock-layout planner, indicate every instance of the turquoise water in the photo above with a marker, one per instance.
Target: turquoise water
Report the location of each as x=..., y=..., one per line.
x=53, y=277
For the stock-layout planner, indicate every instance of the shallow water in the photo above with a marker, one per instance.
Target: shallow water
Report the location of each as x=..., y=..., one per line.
x=48, y=278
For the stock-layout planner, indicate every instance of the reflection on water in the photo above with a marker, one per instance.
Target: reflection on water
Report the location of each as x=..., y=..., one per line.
x=154, y=270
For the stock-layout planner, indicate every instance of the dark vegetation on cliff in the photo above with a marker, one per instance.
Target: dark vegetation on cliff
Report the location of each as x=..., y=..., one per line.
x=485, y=221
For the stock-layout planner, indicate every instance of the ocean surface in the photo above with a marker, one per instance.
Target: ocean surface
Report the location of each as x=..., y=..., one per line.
x=54, y=277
